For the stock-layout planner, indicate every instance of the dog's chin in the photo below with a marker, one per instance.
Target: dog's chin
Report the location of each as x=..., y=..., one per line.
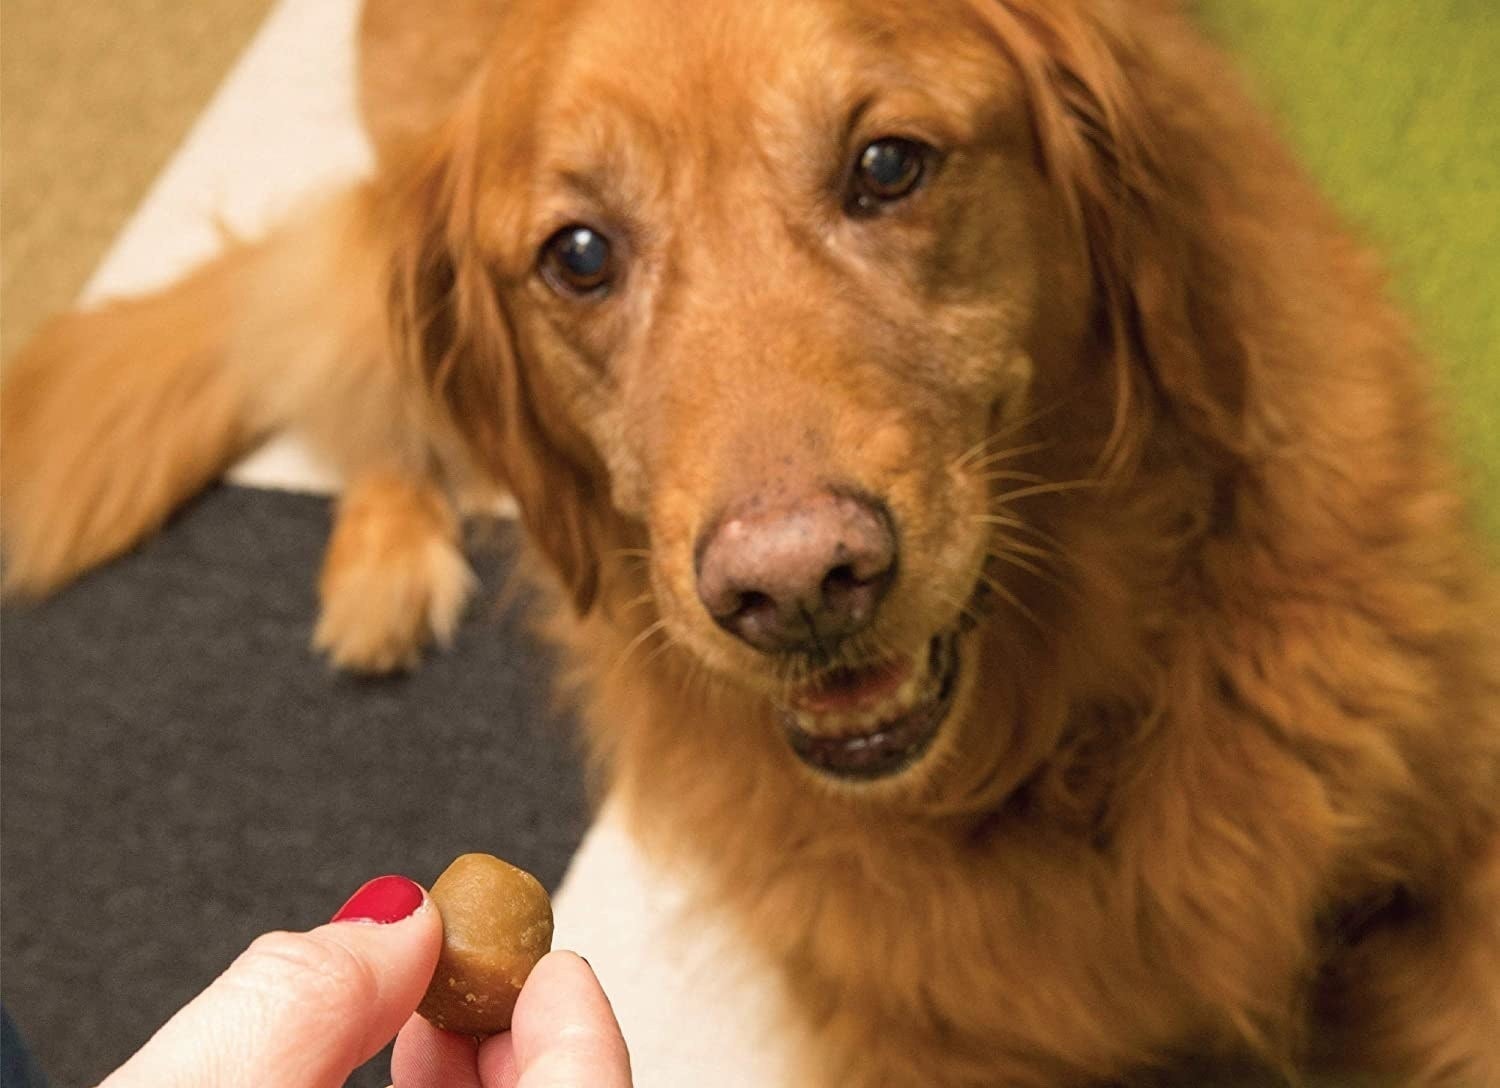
x=875, y=722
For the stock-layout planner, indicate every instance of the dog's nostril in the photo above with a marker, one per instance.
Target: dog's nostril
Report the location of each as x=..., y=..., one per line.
x=753, y=601
x=848, y=601
x=841, y=579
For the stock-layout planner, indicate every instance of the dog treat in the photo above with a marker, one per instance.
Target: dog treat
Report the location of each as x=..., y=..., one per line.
x=497, y=923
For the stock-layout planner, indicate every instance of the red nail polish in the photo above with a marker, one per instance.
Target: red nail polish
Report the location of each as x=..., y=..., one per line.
x=384, y=899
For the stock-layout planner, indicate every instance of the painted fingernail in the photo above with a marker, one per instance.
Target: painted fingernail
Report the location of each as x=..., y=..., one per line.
x=384, y=899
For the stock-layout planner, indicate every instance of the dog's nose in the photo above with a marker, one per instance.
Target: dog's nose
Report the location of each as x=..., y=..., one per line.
x=799, y=575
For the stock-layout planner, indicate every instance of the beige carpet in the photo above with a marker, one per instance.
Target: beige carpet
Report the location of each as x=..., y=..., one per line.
x=94, y=98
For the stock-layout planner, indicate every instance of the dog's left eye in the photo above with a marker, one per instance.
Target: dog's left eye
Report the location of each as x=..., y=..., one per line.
x=578, y=260
x=886, y=171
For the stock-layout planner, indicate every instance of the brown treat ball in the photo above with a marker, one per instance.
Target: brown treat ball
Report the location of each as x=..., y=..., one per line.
x=497, y=923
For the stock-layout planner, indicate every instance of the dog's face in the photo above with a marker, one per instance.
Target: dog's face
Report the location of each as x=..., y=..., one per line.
x=783, y=284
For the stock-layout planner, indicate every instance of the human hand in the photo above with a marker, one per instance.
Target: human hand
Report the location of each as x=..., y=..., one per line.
x=303, y=1010
x=563, y=1035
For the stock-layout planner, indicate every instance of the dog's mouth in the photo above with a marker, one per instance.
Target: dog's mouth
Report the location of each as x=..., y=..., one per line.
x=876, y=720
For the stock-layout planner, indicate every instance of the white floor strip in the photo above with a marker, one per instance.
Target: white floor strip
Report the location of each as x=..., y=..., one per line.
x=282, y=126
x=697, y=1008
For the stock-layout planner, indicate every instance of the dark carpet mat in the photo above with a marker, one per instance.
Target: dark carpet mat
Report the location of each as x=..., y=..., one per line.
x=180, y=773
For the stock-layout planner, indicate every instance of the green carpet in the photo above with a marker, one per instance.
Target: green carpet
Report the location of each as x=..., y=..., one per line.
x=1396, y=106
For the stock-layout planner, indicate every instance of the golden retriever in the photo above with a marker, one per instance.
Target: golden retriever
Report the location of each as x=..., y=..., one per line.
x=998, y=521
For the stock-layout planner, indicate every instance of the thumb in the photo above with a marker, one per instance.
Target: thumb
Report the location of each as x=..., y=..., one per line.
x=302, y=1010
x=563, y=1035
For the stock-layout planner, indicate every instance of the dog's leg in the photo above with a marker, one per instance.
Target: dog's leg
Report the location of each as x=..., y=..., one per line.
x=112, y=417
x=394, y=577
x=1420, y=1000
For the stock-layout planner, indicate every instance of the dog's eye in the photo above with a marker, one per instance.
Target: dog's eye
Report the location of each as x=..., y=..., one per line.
x=578, y=260
x=886, y=170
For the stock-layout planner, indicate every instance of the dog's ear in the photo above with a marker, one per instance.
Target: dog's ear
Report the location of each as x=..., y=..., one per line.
x=1141, y=193
x=450, y=330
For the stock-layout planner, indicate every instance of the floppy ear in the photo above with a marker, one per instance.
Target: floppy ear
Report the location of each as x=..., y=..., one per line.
x=1142, y=192
x=450, y=329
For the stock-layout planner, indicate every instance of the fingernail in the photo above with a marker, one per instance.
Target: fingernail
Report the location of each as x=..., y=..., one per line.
x=384, y=899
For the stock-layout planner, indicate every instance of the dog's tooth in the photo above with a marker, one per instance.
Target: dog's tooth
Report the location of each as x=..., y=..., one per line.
x=918, y=690
x=920, y=679
x=834, y=723
x=918, y=687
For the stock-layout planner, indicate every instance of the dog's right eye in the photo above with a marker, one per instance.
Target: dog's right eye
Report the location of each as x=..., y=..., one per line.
x=578, y=260
x=886, y=171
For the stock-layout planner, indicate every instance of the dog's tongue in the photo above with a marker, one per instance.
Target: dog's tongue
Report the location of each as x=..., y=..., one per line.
x=851, y=690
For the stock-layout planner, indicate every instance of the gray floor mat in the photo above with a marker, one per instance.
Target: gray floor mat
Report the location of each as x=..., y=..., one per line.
x=180, y=773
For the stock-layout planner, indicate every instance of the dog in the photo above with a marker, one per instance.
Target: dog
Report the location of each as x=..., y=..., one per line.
x=996, y=523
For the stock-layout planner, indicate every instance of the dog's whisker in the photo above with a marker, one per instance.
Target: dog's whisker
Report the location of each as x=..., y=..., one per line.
x=964, y=609
x=646, y=633
x=1020, y=525
x=1012, y=474
x=655, y=655
x=697, y=681
x=1033, y=569
x=1052, y=488
x=1005, y=545
x=958, y=463
x=636, y=602
x=629, y=553
x=1006, y=430
x=1010, y=453
x=1003, y=592
x=964, y=459
x=979, y=447
x=996, y=457
x=1047, y=554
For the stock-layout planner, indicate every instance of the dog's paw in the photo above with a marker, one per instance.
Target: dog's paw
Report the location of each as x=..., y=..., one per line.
x=394, y=580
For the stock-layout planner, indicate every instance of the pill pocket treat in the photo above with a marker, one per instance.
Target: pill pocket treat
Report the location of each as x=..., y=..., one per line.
x=497, y=923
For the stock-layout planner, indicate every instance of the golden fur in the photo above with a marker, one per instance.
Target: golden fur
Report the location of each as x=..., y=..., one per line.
x=1222, y=775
